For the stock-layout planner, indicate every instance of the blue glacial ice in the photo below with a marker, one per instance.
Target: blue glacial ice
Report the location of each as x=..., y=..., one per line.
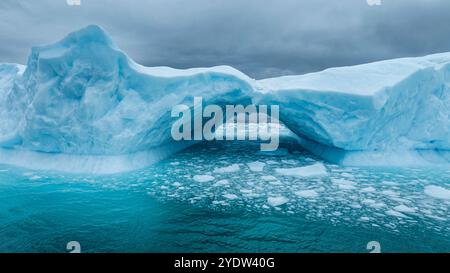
x=82, y=105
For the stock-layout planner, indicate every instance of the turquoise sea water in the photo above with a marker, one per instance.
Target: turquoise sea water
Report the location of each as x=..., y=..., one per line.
x=208, y=199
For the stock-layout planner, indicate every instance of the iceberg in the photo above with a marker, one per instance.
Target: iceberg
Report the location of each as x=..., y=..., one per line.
x=385, y=113
x=82, y=105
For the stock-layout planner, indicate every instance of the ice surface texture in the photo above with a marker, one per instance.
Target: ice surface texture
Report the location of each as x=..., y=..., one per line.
x=82, y=99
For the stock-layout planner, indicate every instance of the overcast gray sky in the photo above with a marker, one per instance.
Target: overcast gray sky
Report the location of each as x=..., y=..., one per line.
x=262, y=38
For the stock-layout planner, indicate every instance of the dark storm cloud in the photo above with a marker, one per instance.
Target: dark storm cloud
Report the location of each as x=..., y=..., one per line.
x=260, y=37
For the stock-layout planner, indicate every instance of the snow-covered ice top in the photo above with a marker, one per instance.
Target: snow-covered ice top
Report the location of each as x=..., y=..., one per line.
x=364, y=79
x=83, y=96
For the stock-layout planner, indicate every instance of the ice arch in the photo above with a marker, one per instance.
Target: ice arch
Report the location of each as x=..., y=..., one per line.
x=82, y=105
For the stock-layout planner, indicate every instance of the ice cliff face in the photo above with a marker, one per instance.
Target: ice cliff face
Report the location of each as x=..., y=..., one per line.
x=83, y=101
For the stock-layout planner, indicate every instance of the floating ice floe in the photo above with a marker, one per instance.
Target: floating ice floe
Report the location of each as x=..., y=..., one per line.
x=437, y=192
x=390, y=193
x=395, y=214
x=277, y=201
x=177, y=184
x=203, y=178
x=222, y=182
x=307, y=194
x=368, y=189
x=268, y=177
x=317, y=169
x=256, y=166
x=230, y=196
x=404, y=209
x=344, y=184
x=373, y=204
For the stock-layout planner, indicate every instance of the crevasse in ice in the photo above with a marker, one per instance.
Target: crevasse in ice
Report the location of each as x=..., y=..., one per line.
x=83, y=105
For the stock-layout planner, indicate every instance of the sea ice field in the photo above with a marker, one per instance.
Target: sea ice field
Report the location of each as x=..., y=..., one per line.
x=228, y=196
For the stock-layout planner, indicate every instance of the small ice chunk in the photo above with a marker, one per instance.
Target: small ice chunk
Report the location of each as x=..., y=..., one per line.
x=355, y=206
x=176, y=184
x=268, y=177
x=368, y=201
x=377, y=205
x=230, y=196
x=373, y=204
x=390, y=193
x=395, y=214
x=230, y=169
x=307, y=194
x=317, y=169
x=252, y=195
x=275, y=183
x=203, y=178
x=344, y=184
x=277, y=201
x=437, y=192
x=437, y=218
x=222, y=182
x=256, y=166
x=405, y=209
x=368, y=189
